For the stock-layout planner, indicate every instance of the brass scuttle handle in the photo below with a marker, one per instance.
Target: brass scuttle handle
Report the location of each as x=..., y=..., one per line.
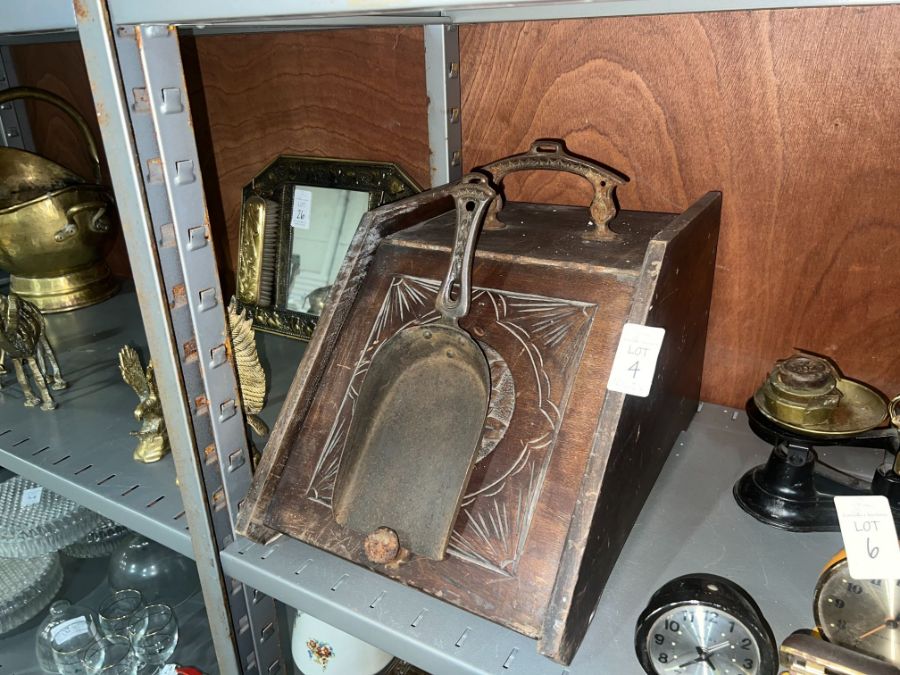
x=550, y=155
x=15, y=93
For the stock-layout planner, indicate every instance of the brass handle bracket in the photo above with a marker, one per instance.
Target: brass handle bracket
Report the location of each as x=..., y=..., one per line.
x=551, y=155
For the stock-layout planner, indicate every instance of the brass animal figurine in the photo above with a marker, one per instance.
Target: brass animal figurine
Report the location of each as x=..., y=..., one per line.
x=153, y=443
x=251, y=376
x=23, y=337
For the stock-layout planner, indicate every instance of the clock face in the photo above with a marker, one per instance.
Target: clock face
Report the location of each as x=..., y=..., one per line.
x=691, y=639
x=861, y=615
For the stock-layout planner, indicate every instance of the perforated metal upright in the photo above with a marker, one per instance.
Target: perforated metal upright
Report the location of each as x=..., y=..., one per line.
x=144, y=114
x=15, y=131
x=138, y=74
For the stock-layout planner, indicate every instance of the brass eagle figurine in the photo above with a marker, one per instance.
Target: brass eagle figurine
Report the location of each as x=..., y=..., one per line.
x=153, y=441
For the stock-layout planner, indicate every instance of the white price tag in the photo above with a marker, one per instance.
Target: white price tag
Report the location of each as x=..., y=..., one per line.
x=870, y=537
x=301, y=209
x=32, y=496
x=69, y=629
x=168, y=669
x=635, y=362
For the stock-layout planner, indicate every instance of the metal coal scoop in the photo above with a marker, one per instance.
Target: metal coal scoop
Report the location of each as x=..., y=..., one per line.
x=419, y=415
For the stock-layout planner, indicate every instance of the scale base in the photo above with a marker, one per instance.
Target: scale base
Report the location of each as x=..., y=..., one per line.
x=789, y=493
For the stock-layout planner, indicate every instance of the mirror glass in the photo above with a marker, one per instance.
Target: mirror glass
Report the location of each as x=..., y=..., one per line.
x=298, y=217
x=323, y=221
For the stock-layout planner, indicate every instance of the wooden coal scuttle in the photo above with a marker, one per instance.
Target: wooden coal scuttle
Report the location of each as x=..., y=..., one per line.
x=539, y=514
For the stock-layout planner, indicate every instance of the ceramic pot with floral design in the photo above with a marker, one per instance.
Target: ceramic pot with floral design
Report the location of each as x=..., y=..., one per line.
x=320, y=648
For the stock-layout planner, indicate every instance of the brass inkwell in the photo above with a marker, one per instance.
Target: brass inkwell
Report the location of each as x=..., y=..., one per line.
x=54, y=224
x=806, y=402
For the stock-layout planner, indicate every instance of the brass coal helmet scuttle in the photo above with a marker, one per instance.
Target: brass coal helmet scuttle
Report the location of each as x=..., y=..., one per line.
x=54, y=224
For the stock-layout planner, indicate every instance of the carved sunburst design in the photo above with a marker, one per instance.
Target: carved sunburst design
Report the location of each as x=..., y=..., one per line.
x=497, y=509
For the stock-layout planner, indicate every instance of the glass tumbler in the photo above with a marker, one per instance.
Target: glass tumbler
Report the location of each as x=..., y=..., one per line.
x=68, y=641
x=110, y=655
x=120, y=611
x=155, y=635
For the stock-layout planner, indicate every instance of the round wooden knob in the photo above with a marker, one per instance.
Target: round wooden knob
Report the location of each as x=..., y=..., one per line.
x=382, y=546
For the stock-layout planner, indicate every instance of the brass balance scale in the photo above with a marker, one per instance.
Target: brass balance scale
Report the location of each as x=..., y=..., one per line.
x=54, y=224
x=805, y=402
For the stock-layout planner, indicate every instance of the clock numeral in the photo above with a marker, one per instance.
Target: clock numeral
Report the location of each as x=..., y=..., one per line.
x=711, y=617
x=745, y=644
x=731, y=623
x=841, y=624
x=658, y=639
x=663, y=658
x=837, y=602
x=672, y=626
x=856, y=589
x=748, y=663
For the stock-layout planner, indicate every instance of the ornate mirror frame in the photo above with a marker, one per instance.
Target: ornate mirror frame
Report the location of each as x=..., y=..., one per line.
x=263, y=262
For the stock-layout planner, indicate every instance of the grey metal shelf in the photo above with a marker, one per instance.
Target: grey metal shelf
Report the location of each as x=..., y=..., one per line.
x=85, y=584
x=350, y=12
x=55, y=19
x=82, y=450
x=689, y=523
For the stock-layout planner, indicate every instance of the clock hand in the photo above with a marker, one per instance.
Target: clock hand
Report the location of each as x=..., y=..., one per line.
x=704, y=656
x=873, y=631
x=890, y=623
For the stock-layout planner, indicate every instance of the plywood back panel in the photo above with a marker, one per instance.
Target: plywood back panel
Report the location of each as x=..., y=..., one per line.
x=356, y=94
x=793, y=114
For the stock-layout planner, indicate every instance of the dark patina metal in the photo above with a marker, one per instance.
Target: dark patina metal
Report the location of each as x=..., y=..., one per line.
x=420, y=411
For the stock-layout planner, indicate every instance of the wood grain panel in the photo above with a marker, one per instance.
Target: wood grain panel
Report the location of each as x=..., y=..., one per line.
x=355, y=94
x=793, y=114
x=59, y=67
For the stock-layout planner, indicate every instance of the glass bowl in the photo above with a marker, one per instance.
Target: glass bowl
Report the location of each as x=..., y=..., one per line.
x=27, y=585
x=158, y=572
x=99, y=542
x=40, y=521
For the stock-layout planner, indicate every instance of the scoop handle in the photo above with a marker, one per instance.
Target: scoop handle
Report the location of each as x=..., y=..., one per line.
x=472, y=195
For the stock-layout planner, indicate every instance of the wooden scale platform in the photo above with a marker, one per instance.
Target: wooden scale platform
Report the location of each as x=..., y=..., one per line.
x=562, y=467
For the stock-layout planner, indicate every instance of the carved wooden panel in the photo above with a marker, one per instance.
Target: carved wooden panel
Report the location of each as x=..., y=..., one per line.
x=545, y=399
x=496, y=511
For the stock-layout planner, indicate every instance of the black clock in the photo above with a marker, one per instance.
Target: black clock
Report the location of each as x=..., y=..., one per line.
x=703, y=623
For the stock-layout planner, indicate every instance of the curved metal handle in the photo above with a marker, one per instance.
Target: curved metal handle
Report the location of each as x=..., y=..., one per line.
x=550, y=155
x=97, y=223
x=472, y=195
x=15, y=93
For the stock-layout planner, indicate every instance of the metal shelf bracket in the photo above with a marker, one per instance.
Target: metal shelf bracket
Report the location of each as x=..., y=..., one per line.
x=15, y=131
x=444, y=103
x=142, y=106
